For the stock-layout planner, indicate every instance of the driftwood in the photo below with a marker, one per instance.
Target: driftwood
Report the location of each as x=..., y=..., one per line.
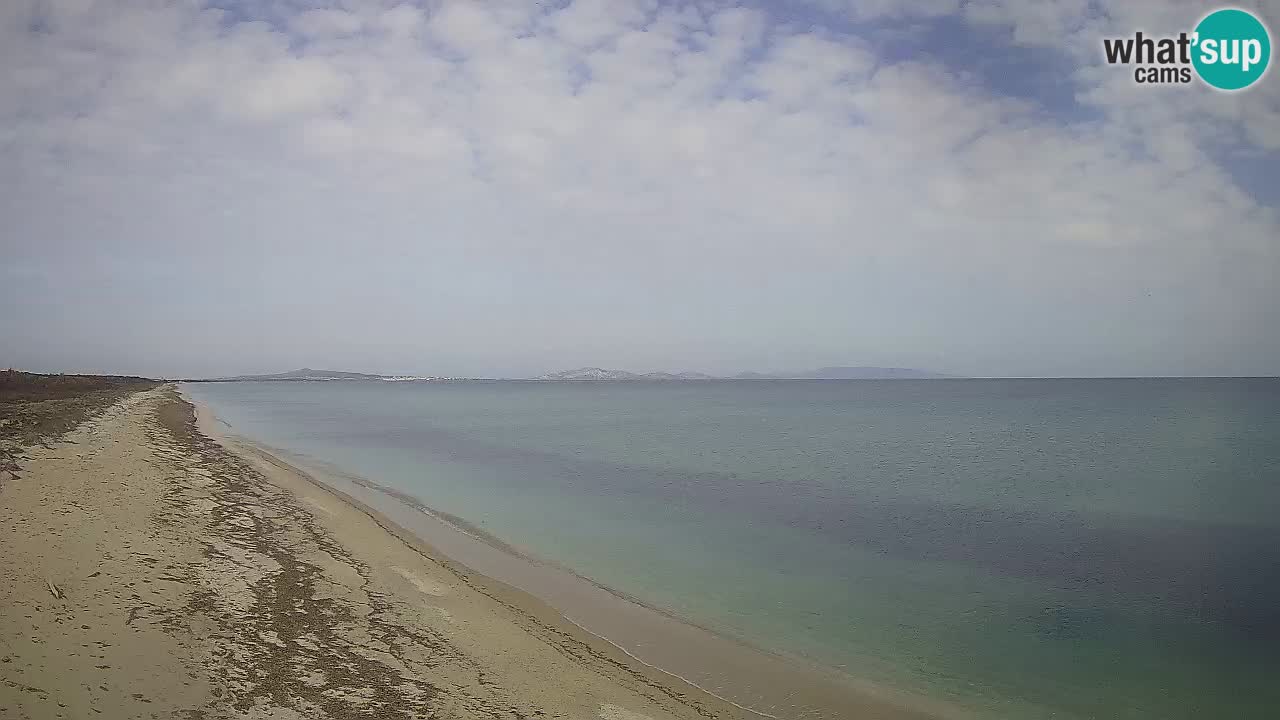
x=54, y=590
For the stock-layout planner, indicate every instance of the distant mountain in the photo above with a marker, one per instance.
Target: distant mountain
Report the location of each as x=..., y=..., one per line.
x=756, y=376
x=677, y=376
x=589, y=373
x=309, y=374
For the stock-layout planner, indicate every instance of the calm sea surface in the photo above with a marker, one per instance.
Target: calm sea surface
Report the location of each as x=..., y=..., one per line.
x=1025, y=548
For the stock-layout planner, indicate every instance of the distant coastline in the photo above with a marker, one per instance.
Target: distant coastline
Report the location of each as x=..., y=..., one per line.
x=825, y=373
x=307, y=374
x=597, y=374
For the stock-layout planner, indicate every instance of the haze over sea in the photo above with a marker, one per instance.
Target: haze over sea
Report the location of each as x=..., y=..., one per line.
x=1023, y=548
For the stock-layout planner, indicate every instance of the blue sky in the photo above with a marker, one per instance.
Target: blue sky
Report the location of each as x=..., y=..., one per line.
x=505, y=189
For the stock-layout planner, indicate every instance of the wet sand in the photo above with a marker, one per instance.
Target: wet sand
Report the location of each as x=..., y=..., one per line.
x=148, y=570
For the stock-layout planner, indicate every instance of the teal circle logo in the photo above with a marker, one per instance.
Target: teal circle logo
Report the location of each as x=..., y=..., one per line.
x=1231, y=49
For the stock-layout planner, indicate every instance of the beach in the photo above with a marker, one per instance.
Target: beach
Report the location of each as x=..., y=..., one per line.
x=148, y=569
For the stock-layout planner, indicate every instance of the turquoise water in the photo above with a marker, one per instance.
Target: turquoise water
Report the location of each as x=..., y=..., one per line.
x=1025, y=548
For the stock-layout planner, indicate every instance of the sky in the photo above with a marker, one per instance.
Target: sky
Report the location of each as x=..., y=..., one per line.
x=216, y=187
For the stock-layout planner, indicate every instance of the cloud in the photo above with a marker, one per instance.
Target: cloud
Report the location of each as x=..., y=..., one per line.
x=633, y=183
x=880, y=9
x=592, y=22
x=326, y=23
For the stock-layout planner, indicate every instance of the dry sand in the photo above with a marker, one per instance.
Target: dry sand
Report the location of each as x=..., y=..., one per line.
x=146, y=571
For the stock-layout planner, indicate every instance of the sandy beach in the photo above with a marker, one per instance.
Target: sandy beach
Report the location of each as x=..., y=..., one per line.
x=149, y=570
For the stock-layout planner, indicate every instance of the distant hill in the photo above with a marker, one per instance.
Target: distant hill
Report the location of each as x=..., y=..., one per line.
x=826, y=373
x=589, y=373
x=677, y=376
x=309, y=374
x=585, y=374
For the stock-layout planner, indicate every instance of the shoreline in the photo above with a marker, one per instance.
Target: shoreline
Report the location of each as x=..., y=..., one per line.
x=149, y=571
x=809, y=689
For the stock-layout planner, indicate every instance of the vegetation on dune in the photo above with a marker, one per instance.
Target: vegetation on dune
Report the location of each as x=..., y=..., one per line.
x=37, y=408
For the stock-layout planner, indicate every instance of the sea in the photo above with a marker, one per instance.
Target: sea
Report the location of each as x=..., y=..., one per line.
x=1066, y=548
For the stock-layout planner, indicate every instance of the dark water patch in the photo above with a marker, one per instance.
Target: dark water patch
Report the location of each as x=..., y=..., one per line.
x=1210, y=572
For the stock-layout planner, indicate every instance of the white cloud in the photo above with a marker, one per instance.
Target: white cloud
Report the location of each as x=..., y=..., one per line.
x=288, y=86
x=592, y=22
x=605, y=150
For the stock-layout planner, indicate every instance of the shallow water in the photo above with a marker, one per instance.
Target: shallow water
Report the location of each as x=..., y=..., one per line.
x=1025, y=548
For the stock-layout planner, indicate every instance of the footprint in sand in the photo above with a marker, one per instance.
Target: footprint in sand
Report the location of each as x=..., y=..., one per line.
x=614, y=712
x=426, y=587
x=320, y=506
